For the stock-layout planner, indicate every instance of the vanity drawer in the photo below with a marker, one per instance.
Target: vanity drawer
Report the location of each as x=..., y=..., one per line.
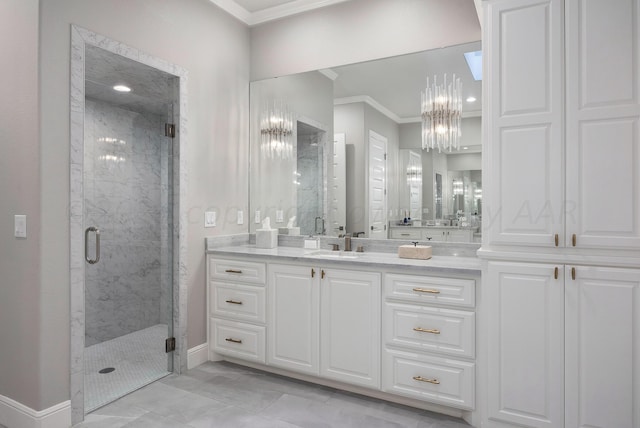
x=405, y=233
x=437, y=380
x=241, y=302
x=238, y=340
x=431, y=329
x=430, y=289
x=237, y=270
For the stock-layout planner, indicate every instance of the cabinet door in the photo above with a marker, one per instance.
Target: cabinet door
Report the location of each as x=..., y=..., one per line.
x=603, y=346
x=350, y=338
x=293, y=318
x=525, y=307
x=603, y=123
x=523, y=165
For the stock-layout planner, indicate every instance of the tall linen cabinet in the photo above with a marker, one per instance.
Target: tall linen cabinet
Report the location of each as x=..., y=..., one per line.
x=561, y=215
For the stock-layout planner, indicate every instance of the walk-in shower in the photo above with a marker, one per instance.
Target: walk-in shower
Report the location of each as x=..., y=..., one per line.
x=128, y=296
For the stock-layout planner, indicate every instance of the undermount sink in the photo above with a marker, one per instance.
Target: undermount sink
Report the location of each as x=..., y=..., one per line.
x=329, y=254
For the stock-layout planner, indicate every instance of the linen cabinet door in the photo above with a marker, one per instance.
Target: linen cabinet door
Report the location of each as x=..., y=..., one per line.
x=350, y=326
x=525, y=307
x=603, y=342
x=293, y=318
x=603, y=124
x=523, y=161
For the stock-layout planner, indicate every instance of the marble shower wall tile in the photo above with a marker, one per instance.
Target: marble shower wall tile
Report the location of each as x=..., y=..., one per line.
x=125, y=195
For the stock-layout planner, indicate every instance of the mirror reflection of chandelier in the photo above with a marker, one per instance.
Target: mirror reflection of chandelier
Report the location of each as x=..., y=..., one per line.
x=441, y=112
x=276, y=131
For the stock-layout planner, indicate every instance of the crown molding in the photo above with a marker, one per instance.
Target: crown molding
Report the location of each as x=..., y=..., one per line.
x=272, y=13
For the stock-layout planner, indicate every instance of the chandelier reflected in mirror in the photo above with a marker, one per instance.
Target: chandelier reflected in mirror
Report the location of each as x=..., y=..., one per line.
x=276, y=131
x=441, y=112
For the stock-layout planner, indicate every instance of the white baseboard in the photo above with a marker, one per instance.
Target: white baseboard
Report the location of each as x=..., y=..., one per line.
x=197, y=355
x=17, y=415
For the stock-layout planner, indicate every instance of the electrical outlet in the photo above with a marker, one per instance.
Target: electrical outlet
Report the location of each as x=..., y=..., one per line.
x=20, y=226
x=210, y=219
x=240, y=217
x=256, y=219
x=279, y=216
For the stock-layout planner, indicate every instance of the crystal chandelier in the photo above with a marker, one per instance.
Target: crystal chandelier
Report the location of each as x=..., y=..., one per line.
x=276, y=131
x=441, y=112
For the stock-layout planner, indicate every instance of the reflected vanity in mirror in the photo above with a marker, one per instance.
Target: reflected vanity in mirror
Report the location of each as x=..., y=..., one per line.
x=341, y=150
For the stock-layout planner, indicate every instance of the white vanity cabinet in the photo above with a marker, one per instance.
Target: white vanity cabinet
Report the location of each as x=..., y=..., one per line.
x=325, y=321
x=434, y=234
x=562, y=114
x=563, y=343
x=429, y=337
x=237, y=308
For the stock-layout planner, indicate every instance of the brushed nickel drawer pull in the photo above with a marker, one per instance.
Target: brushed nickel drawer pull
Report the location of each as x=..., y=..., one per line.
x=427, y=330
x=230, y=339
x=422, y=379
x=426, y=290
x=233, y=271
x=233, y=302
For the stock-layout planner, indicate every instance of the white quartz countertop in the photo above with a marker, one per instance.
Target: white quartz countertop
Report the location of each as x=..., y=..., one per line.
x=445, y=264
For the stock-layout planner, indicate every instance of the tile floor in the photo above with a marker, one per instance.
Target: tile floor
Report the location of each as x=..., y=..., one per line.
x=138, y=358
x=227, y=395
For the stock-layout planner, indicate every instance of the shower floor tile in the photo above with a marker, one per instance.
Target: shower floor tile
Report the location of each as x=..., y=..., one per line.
x=138, y=358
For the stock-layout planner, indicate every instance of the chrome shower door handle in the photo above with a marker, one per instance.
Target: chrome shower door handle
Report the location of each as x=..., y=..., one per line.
x=86, y=245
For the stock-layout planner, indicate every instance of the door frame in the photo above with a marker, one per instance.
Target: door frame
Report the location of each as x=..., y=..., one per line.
x=80, y=37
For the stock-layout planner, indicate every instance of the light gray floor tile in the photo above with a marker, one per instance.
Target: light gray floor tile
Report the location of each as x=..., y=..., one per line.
x=227, y=395
x=308, y=413
x=234, y=417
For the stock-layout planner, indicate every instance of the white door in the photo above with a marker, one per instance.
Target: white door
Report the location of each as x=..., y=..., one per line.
x=293, y=318
x=523, y=183
x=525, y=315
x=350, y=326
x=377, y=212
x=603, y=124
x=603, y=341
x=338, y=187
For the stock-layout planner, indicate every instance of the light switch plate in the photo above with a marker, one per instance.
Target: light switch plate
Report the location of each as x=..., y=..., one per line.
x=257, y=217
x=20, y=225
x=240, y=217
x=210, y=219
x=279, y=216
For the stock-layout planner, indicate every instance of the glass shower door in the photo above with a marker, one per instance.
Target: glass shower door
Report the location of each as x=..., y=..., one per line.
x=129, y=249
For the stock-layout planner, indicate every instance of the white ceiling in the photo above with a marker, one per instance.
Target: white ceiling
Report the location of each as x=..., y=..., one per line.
x=253, y=12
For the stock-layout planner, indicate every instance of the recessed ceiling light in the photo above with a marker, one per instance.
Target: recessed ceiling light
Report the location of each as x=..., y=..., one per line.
x=122, y=88
x=465, y=148
x=471, y=99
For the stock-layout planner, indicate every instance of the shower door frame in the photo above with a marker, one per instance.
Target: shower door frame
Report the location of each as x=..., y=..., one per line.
x=80, y=37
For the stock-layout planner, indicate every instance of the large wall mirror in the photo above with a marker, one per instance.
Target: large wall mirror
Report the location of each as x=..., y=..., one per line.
x=339, y=151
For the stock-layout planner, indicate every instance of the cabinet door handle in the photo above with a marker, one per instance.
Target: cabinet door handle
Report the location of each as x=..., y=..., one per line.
x=573, y=239
x=555, y=273
x=86, y=245
x=322, y=273
x=573, y=273
x=424, y=379
x=233, y=271
x=427, y=330
x=313, y=273
x=233, y=302
x=557, y=239
x=426, y=290
x=404, y=234
x=232, y=340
